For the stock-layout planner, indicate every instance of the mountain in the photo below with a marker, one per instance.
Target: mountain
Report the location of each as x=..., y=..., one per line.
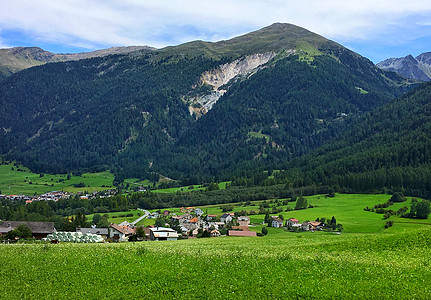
x=418, y=68
x=15, y=59
x=389, y=147
x=198, y=109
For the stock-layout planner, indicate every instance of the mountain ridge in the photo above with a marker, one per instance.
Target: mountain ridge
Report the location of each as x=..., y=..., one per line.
x=15, y=59
x=416, y=68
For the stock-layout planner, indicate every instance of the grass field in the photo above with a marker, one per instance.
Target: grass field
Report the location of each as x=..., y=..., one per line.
x=277, y=266
x=25, y=182
x=348, y=210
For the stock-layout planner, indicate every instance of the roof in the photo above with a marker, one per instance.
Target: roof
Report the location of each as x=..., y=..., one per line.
x=123, y=229
x=315, y=223
x=293, y=220
x=243, y=228
x=212, y=216
x=103, y=231
x=194, y=220
x=35, y=227
x=241, y=233
x=161, y=229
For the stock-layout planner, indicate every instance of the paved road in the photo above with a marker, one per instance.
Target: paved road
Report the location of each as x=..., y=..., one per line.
x=146, y=214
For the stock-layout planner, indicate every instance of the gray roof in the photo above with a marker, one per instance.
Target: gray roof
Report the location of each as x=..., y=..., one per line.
x=103, y=231
x=35, y=227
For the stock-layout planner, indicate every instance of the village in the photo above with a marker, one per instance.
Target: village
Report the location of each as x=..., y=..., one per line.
x=190, y=224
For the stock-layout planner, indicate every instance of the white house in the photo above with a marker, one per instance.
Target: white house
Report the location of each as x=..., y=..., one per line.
x=277, y=223
x=226, y=218
x=291, y=222
x=199, y=212
x=163, y=234
x=120, y=233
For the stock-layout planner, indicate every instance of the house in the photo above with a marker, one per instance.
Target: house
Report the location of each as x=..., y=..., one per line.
x=291, y=222
x=120, y=233
x=39, y=230
x=243, y=220
x=277, y=223
x=226, y=218
x=163, y=234
x=306, y=226
x=241, y=233
x=316, y=225
x=215, y=233
x=104, y=232
x=211, y=217
x=199, y=212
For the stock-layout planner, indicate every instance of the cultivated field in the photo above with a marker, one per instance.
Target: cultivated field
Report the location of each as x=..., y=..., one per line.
x=278, y=266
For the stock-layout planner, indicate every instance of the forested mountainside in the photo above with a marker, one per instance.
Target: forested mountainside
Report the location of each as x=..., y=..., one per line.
x=15, y=59
x=204, y=109
x=418, y=68
x=389, y=147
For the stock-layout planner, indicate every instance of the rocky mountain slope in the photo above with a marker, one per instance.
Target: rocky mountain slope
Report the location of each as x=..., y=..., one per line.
x=205, y=109
x=417, y=68
x=16, y=59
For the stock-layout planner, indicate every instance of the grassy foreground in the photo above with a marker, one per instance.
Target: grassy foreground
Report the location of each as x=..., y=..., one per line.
x=278, y=266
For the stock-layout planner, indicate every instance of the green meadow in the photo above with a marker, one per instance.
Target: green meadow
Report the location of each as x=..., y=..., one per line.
x=25, y=182
x=277, y=266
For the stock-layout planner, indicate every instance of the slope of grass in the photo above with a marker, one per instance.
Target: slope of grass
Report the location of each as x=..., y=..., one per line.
x=25, y=182
x=314, y=266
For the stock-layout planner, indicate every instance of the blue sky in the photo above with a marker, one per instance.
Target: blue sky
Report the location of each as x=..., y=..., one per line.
x=375, y=29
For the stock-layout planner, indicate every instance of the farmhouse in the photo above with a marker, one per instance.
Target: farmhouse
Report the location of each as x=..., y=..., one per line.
x=39, y=230
x=163, y=234
x=243, y=220
x=291, y=222
x=120, y=233
x=277, y=223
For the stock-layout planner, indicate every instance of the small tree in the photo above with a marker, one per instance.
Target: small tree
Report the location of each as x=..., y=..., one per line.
x=398, y=197
x=22, y=232
x=264, y=231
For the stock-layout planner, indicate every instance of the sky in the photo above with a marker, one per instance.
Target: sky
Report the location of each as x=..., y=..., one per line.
x=376, y=29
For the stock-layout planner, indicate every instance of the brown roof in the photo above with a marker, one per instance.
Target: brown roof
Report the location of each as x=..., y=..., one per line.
x=293, y=220
x=243, y=228
x=241, y=233
x=35, y=227
x=194, y=220
x=123, y=229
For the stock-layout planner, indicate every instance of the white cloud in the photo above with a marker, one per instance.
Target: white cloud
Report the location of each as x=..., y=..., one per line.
x=160, y=23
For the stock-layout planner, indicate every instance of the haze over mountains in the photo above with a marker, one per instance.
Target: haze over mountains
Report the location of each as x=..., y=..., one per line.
x=204, y=110
x=418, y=68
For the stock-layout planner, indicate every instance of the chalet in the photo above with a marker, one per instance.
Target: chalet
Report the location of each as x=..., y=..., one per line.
x=277, y=223
x=291, y=222
x=163, y=234
x=39, y=230
x=241, y=233
x=243, y=220
x=104, y=232
x=120, y=233
x=226, y=218
x=316, y=225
